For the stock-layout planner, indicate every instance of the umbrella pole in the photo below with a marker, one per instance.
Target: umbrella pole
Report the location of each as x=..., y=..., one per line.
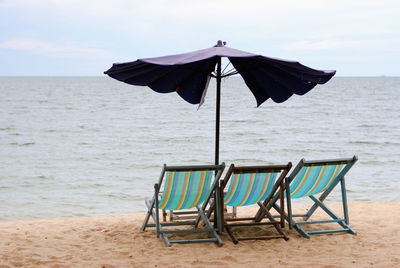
x=217, y=216
x=218, y=106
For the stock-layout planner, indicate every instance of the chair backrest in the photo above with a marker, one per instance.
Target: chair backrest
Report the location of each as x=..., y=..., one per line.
x=312, y=177
x=249, y=185
x=186, y=187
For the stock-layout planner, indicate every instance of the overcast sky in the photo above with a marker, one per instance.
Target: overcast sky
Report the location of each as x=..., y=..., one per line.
x=78, y=37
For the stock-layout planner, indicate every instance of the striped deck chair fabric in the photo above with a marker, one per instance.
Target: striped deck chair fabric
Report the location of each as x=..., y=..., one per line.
x=184, y=187
x=249, y=186
x=313, y=177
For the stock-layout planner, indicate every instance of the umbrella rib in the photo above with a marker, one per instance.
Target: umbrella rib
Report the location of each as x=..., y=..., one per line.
x=230, y=73
x=223, y=71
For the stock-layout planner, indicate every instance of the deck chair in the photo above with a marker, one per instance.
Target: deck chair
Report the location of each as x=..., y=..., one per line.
x=253, y=185
x=310, y=178
x=185, y=187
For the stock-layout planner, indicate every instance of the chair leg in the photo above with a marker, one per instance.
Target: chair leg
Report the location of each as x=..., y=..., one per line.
x=149, y=211
x=219, y=210
x=278, y=209
x=157, y=218
x=290, y=220
x=232, y=236
x=300, y=230
x=166, y=242
x=282, y=199
x=153, y=214
x=234, y=212
x=274, y=222
x=211, y=209
x=289, y=203
x=209, y=225
x=344, y=200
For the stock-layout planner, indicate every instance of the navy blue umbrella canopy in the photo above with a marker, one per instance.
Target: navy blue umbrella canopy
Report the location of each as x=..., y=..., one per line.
x=188, y=74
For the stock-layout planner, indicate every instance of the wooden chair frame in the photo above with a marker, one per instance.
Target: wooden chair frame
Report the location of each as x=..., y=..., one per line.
x=251, y=221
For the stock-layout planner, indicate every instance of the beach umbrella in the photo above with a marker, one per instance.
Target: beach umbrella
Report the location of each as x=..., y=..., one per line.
x=188, y=74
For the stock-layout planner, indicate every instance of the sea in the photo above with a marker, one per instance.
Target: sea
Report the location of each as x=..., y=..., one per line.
x=93, y=146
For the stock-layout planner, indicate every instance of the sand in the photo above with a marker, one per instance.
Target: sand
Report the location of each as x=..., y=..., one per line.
x=118, y=242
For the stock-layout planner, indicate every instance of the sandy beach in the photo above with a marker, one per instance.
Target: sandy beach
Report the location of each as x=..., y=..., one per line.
x=118, y=242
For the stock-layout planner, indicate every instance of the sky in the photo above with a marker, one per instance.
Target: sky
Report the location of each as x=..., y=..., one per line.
x=82, y=37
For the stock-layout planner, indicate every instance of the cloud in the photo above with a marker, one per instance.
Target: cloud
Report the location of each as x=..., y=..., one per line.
x=66, y=50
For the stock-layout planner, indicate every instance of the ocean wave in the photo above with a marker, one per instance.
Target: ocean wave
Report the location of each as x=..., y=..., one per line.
x=22, y=144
